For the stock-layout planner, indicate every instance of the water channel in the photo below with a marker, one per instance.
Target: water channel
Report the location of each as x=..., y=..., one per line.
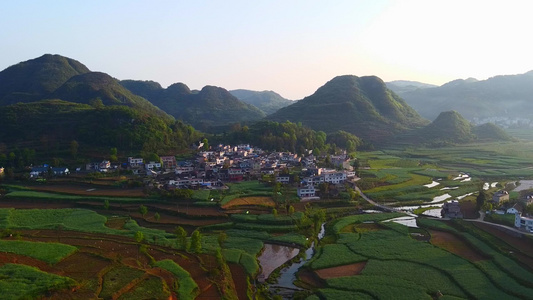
x=284, y=285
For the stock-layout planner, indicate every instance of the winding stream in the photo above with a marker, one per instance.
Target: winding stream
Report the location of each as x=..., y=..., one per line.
x=284, y=286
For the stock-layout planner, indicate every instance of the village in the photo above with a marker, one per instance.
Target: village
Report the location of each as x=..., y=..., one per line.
x=212, y=168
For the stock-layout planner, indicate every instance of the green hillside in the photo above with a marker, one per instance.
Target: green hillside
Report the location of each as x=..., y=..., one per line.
x=359, y=105
x=51, y=125
x=34, y=79
x=267, y=101
x=208, y=108
x=98, y=88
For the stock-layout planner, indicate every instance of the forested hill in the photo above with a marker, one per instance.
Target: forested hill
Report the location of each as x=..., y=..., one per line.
x=363, y=106
x=58, y=77
x=508, y=96
x=210, y=107
x=449, y=128
x=267, y=101
x=34, y=79
x=48, y=102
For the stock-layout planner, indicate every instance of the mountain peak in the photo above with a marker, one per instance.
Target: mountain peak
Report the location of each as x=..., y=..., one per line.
x=360, y=105
x=35, y=78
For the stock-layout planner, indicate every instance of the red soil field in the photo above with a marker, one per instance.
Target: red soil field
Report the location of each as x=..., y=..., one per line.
x=453, y=244
x=97, y=253
x=341, y=271
x=525, y=246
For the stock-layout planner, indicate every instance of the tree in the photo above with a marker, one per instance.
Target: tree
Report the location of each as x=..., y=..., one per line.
x=157, y=216
x=113, y=156
x=139, y=236
x=196, y=242
x=480, y=199
x=74, y=148
x=206, y=144
x=324, y=189
x=106, y=204
x=291, y=210
x=222, y=237
x=181, y=237
x=274, y=212
x=143, y=210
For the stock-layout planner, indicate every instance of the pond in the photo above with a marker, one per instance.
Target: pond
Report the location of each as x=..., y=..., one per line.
x=432, y=184
x=441, y=198
x=272, y=257
x=407, y=221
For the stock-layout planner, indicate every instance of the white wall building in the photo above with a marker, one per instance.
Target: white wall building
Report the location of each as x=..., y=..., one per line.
x=523, y=222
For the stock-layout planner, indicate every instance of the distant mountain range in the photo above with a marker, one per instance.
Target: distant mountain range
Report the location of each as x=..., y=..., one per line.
x=267, y=101
x=506, y=97
x=210, y=107
x=54, y=99
x=363, y=106
x=403, y=86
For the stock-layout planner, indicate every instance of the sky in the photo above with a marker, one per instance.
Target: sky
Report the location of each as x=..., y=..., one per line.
x=291, y=47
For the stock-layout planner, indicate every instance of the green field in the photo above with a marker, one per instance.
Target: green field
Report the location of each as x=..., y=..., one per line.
x=23, y=282
x=399, y=267
x=187, y=287
x=48, y=252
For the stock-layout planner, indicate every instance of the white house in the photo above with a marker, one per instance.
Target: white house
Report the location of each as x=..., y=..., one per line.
x=285, y=179
x=308, y=191
x=523, y=222
x=517, y=208
x=135, y=162
x=152, y=165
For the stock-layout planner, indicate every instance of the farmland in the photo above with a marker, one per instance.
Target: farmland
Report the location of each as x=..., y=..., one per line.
x=398, y=266
x=92, y=240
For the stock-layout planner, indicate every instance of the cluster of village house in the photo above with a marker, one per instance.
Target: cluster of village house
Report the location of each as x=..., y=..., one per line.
x=452, y=210
x=225, y=163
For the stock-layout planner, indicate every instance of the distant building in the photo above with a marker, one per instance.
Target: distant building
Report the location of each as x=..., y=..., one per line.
x=135, y=162
x=500, y=197
x=308, y=191
x=451, y=210
x=169, y=162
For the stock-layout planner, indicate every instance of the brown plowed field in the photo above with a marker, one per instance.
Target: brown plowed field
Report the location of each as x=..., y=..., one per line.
x=341, y=271
x=455, y=245
x=525, y=246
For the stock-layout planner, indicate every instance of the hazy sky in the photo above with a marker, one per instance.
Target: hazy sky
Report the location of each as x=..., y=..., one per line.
x=291, y=47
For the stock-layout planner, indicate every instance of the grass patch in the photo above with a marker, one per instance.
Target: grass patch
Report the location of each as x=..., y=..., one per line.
x=48, y=252
x=187, y=287
x=24, y=282
x=150, y=288
x=116, y=279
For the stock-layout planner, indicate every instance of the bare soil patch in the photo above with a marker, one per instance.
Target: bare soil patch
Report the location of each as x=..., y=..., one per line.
x=262, y=201
x=309, y=279
x=525, y=246
x=341, y=271
x=239, y=278
x=453, y=244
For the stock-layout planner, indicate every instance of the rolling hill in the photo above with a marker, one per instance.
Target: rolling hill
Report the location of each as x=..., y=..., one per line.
x=210, y=107
x=34, y=79
x=499, y=97
x=52, y=100
x=267, y=101
x=363, y=106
